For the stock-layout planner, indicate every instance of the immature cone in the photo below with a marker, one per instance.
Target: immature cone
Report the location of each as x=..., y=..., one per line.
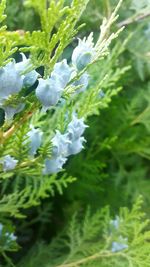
x=54, y=165
x=83, y=53
x=64, y=145
x=76, y=127
x=10, y=111
x=60, y=144
x=11, y=82
x=83, y=82
x=48, y=92
x=35, y=138
x=76, y=146
x=29, y=77
x=9, y=163
x=62, y=72
x=120, y=245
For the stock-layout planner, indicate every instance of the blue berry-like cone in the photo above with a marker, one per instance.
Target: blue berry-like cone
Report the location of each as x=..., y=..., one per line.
x=48, y=92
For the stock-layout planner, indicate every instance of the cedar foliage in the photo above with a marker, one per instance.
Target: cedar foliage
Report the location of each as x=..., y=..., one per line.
x=49, y=214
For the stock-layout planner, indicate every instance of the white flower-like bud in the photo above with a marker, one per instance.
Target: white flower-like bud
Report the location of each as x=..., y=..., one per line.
x=10, y=237
x=83, y=81
x=9, y=163
x=54, y=165
x=64, y=145
x=76, y=127
x=101, y=94
x=60, y=144
x=35, y=138
x=76, y=146
x=11, y=81
x=120, y=245
x=115, y=223
x=11, y=111
x=48, y=92
x=83, y=53
x=30, y=77
x=62, y=72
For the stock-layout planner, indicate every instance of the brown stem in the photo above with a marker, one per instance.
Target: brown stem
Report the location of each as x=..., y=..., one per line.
x=9, y=132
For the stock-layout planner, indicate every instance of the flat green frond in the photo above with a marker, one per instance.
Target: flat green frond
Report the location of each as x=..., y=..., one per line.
x=7, y=45
x=2, y=9
x=45, y=47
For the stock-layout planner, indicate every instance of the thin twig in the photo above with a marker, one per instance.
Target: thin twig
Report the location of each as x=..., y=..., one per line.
x=138, y=119
x=91, y=258
x=7, y=259
x=131, y=20
x=11, y=130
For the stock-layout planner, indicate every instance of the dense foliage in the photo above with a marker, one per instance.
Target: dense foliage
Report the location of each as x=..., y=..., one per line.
x=75, y=133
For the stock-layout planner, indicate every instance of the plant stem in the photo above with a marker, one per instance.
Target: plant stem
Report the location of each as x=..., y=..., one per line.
x=91, y=258
x=108, y=8
x=16, y=125
x=139, y=118
x=7, y=260
x=133, y=19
